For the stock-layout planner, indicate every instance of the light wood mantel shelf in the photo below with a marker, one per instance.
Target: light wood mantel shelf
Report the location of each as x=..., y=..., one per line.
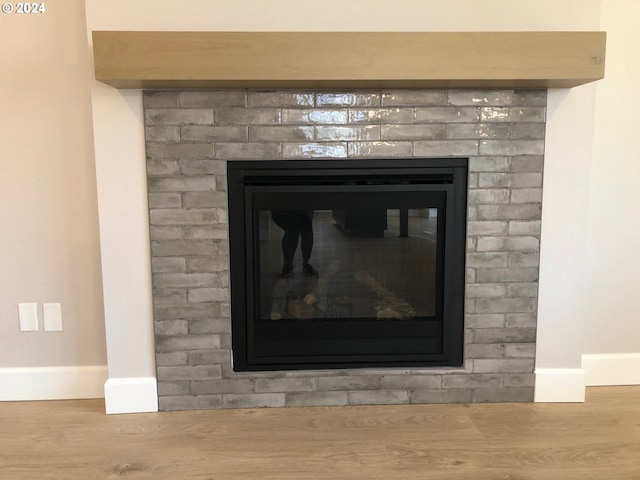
x=348, y=59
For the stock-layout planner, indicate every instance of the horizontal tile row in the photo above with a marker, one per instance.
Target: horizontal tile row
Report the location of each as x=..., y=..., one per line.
x=186, y=134
x=252, y=99
x=167, y=117
x=180, y=401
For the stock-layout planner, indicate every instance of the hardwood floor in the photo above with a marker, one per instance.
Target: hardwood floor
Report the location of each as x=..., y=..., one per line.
x=70, y=440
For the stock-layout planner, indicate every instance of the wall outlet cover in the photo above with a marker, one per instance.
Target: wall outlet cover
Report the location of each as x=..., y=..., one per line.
x=28, y=315
x=52, y=317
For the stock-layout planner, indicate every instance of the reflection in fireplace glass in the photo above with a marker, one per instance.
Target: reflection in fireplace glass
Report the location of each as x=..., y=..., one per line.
x=337, y=264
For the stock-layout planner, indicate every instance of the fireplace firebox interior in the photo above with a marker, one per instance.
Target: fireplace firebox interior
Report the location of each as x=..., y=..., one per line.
x=347, y=263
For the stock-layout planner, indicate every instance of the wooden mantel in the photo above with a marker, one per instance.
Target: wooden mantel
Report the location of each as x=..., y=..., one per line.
x=348, y=59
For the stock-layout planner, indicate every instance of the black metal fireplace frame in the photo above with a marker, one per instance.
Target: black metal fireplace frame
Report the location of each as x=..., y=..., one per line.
x=246, y=178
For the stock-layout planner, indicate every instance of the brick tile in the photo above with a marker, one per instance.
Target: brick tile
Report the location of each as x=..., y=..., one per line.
x=349, y=383
x=280, y=133
x=487, y=228
x=503, y=366
x=529, y=259
x=160, y=99
x=210, y=133
x=522, y=290
x=189, y=372
x=351, y=99
x=247, y=116
x=452, y=395
x=512, y=114
x=280, y=99
x=530, y=98
x=171, y=248
x=189, y=311
x=210, y=325
x=521, y=320
x=405, y=382
x=172, y=359
x=162, y=134
x=472, y=381
x=486, y=320
x=484, y=350
x=486, y=290
x=489, y=164
x=489, y=196
x=480, y=97
x=315, y=150
x=202, y=402
x=211, y=387
x=512, y=274
x=275, y=385
x=527, y=163
x=505, y=335
x=511, y=147
x=253, y=400
x=315, y=117
x=182, y=184
x=477, y=130
x=520, y=350
x=483, y=395
x=486, y=260
x=378, y=397
x=171, y=327
x=447, y=114
x=167, y=389
x=231, y=151
x=208, y=357
x=445, y=148
x=380, y=149
x=414, y=132
x=410, y=98
x=508, y=244
x=381, y=115
x=510, y=212
x=506, y=305
x=197, y=99
x=190, y=342
x=348, y=133
x=204, y=199
x=169, y=296
x=316, y=399
x=518, y=379
x=176, y=116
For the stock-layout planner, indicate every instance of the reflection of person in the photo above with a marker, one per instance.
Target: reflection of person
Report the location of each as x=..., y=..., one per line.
x=295, y=224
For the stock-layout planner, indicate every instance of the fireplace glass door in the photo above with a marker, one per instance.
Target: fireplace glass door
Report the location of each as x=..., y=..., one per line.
x=340, y=264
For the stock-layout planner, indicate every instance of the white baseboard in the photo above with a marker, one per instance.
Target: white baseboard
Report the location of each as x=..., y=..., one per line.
x=131, y=395
x=612, y=369
x=52, y=383
x=559, y=385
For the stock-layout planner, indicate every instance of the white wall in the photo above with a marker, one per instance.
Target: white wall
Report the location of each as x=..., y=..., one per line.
x=571, y=237
x=613, y=243
x=612, y=333
x=49, y=243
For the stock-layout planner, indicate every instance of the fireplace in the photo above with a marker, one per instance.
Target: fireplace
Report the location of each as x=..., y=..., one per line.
x=386, y=286
x=194, y=137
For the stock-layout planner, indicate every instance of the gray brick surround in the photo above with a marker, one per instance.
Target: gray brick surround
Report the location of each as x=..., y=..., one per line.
x=191, y=134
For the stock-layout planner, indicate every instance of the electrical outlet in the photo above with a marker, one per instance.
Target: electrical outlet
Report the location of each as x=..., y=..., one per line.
x=52, y=317
x=28, y=315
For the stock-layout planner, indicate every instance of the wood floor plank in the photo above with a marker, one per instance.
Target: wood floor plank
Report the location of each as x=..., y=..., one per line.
x=75, y=440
